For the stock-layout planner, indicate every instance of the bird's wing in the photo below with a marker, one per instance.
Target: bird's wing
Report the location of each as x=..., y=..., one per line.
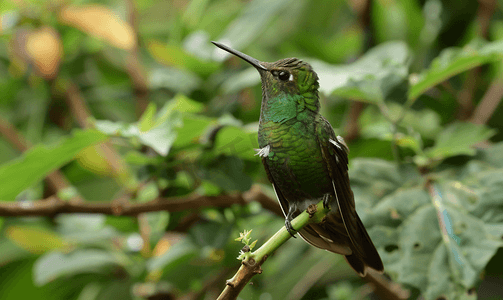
x=313, y=234
x=335, y=154
x=283, y=203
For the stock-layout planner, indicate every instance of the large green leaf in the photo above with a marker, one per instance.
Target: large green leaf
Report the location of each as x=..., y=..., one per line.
x=231, y=140
x=177, y=254
x=457, y=139
x=453, y=61
x=36, y=163
x=175, y=56
x=159, y=131
x=252, y=21
x=370, y=78
x=226, y=172
x=34, y=239
x=437, y=238
x=56, y=264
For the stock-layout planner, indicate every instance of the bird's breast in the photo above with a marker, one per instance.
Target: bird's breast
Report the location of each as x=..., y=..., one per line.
x=294, y=160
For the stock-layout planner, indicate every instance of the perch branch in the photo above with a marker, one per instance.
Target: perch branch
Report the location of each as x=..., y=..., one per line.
x=251, y=264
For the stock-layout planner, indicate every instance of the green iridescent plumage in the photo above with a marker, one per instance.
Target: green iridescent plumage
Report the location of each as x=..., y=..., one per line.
x=306, y=162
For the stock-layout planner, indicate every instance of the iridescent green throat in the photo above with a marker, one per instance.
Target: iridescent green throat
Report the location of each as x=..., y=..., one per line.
x=285, y=107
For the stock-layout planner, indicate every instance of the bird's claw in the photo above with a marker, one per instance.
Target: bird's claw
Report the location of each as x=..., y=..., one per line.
x=290, y=229
x=326, y=201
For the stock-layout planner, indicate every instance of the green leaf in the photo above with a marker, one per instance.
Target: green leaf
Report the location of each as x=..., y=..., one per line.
x=425, y=122
x=212, y=234
x=178, y=80
x=368, y=79
x=438, y=240
x=194, y=126
x=37, y=162
x=147, y=119
x=227, y=172
x=34, y=239
x=162, y=130
x=148, y=192
x=457, y=139
x=158, y=221
x=186, y=105
x=246, y=78
x=231, y=140
x=453, y=61
x=493, y=155
x=85, y=229
x=175, y=56
x=177, y=254
x=56, y=264
x=254, y=19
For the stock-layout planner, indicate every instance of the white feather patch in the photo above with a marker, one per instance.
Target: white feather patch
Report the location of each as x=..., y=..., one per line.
x=335, y=143
x=326, y=239
x=263, y=152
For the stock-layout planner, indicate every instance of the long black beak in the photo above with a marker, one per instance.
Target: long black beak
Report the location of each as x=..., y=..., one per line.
x=254, y=62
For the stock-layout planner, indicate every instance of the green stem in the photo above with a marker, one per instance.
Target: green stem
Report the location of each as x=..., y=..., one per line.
x=282, y=235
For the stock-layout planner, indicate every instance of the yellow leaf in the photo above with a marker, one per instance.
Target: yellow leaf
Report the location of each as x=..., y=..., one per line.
x=45, y=50
x=93, y=159
x=36, y=240
x=100, y=22
x=161, y=247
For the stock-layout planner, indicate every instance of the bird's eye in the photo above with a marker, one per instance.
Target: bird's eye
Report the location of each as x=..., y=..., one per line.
x=284, y=76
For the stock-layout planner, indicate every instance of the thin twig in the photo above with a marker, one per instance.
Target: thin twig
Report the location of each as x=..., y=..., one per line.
x=465, y=96
x=485, y=10
x=134, y=67
x=385, y=288
x=77, y=105
x=489, y=103
x=352, y=128
x=13, y=136
x=362, y=9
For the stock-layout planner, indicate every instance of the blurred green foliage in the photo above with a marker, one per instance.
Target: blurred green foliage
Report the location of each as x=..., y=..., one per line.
x=426, y=163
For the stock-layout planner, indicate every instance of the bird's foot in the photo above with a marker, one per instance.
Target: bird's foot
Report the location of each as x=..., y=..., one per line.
x=326, y=201
x=289, y=228
x=311, y=210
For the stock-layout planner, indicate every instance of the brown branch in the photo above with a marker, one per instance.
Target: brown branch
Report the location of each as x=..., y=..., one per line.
x=12, y=136
x=352, y=128
x=362, y=9
x=77, y=105
x=208, y=285
x=237, y=283
x=256, y=194
x=134, y=67
x=484, y=13
x=465, y=97
x=385, y=288
x=489, y=103
x=52, y=205
x=312, y=276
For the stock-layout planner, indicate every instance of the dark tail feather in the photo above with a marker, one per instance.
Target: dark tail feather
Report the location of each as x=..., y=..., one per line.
x=357, y=264
x=371, y=256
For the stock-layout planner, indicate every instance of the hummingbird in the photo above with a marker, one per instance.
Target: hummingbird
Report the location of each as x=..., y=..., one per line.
x=306, y=162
